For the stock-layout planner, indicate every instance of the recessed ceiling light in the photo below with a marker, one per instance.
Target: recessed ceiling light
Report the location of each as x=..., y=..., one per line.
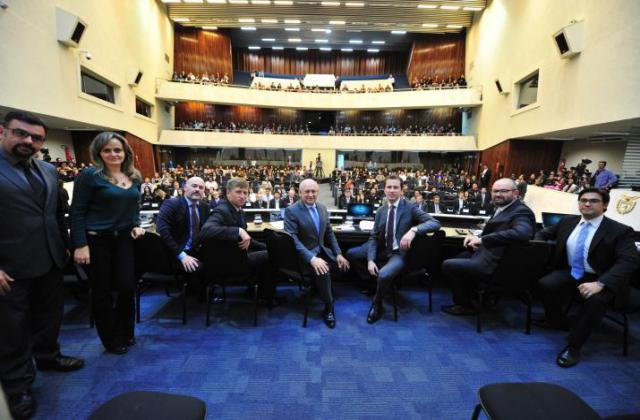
x=210, y=28
x=253, y=47
x=337, y=22
x=260, y=2
x=398, y=32
x=268, y=39
x=193, y=1
x=277, y=48
x=292, y=29
x=427, y=6
x=429, y=25
x=238, y=1
x=294, y=21
x=330, y=3
x=217, y=1
x=472, y=8
x=322, y=41
x=326, y=31
x=294, y=40
x=269, y=20
x=246, y=20
x=248, y=28
x=282, y=2
x=346, y=49
x=354, y=4
x=171, y=1
x=180, y=19
x=355, y=41
x=302, y=48
x=454, y=26
x=378, y=42
x=325, y=49
x=447, y=7
x=373, y=50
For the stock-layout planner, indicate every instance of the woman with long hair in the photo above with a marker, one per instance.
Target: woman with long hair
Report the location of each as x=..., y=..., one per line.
x=104, y=222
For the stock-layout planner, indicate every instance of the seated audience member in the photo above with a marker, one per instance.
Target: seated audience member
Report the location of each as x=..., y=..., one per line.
x=461, y=204
x=275, y=202
x=147, y=197
x=227, y=222
x=603, y=178
x=361, y=198
x=147, y=184
x=180, y=221
x=345, y=199
x=396, y=225
x=308, y=223
x=595, y=256
x=434, y=206
x=513, y=222
x=214, y=198
x=290, y=199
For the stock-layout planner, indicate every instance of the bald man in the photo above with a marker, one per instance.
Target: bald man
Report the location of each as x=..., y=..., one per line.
x=179, y=223
x=512, y=222
x=307, y=221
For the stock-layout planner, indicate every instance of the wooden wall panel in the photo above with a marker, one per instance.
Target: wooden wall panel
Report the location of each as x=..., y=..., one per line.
x=199, y=51
x=403, y=118
x=289, y=61
x=193, y=111
x=81, y=142
x=143, y=154
x=441, y=55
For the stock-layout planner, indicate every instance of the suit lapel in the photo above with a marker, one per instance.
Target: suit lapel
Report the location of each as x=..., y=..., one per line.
x=51, y=187
x=8, y=172
x=598, y=236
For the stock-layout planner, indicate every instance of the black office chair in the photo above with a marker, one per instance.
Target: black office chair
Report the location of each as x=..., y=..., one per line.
x=155, y=265
x=423, y=258
x=225, y=264
x=519, y=268
x=283, y=256
x=142, y=405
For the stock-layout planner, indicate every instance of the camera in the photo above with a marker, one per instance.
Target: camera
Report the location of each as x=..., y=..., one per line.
x=87, y=54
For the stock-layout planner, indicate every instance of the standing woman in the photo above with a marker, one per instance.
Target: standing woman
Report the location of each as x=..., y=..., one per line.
x=104, y=223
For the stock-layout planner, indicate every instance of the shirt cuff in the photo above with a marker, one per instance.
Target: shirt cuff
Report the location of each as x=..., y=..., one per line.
x=182, y=255
x=601, y=284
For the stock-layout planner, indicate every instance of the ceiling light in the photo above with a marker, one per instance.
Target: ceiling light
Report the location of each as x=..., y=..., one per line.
x=398, y=32
x=322, y=41
x=171, y=1
x=337, y=22
x=238, y=1
x=282, y=2
x=216, y=1
x=246, y=20
x=446, y=7
x=325, y=49
x=472, y=8
x=378, y=42
x=354, y=4
x=355, y=41
x=193, y=1
x=277, y=48
x=373, y=50
x=427, y=6
x=248, y=28
x=346, y=49
x=253, y=47
x=269, y=20
x=330, y=3
x=210, y=28
x=292, y=29
x=454, y=26
x=294, y=40
x=429, y=25
x=179, y=19
x=268, y=39
x=326, y=31
x=294, y=21
x=302, y=48
x=260, y=2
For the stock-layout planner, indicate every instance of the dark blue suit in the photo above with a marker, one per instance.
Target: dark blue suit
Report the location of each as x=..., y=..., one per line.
x=172, y=223
x=390, y=262
x=309, y=243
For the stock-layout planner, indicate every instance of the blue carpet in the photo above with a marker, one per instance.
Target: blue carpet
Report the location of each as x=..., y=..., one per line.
x=428, y=365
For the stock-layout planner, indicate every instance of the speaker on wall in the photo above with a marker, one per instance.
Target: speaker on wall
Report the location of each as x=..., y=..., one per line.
x=134, y=77
x=69, y=28
x=502, y=86
x=569, y=40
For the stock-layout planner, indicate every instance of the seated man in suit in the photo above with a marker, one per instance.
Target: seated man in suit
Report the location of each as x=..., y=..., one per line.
x=461, y=204
x=384, y=255
x=308, y=223
x=227, y=223
x=179, y=223
x=345, y=199
x=595, y=256
x=512, y=222
x=275, y=202
x=434, y=206
x=290, y=199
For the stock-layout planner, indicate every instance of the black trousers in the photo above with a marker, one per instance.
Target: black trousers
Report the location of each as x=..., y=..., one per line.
x=30, y=317
x=112, y=279
x=389, y=268
x=464, y=272
x=558, y=287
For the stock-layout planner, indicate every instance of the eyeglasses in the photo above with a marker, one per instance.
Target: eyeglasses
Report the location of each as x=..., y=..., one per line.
x=590, y=200
x=20, y=133
x=502, y=191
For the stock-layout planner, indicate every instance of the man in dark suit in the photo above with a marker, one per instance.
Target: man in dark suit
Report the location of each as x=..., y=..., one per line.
x=595, y=256
x=31, y=259
x=435, y=205
x=180, y=221
x=275, y=202
x=485, y=176
x=290, y=199
x=308, y=223
x=512, y=222
x=484, y=198
x=461, y=205
x=215, y=199
x=227, y=222
x=384, y=255
x=345, y=199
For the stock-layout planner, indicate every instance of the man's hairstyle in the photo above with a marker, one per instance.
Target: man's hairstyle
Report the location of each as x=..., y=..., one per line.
x=24, y=117
x=603, y=194
x=234, y=183
x=434, y=196
x=603, y=161
x=391, y=178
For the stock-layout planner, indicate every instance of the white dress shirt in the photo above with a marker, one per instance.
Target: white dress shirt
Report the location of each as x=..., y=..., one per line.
x=572, y=241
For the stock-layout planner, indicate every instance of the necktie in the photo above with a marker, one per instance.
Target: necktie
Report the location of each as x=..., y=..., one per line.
x=316, y=218
x=195, y=225
x=39, y=192
x=577, y=265
x=390, y=233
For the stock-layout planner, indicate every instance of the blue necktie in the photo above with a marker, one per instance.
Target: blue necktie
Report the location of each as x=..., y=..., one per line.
x=577, y=265
x=316, y=218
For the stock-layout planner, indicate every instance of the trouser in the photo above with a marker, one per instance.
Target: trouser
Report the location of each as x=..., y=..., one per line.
x=112, y=273
x=558, y=287
x=264, y=272
x=30, y=318
x=388, y=268
x=465, y=272
x=323, y=281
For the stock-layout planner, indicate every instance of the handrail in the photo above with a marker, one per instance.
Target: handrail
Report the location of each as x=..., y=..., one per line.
x=401, y=134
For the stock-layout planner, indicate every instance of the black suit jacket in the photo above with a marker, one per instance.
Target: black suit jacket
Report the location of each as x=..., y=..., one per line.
x=223, y=225
x=612, y=252
x=342, y=202
x=485, y=179
x=172, y=223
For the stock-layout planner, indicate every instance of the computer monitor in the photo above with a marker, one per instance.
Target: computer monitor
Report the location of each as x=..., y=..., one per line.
x=550, y=219
x=360, y=210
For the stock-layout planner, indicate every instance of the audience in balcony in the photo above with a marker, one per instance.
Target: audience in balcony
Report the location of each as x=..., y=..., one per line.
x=434, y=81
x=204, y=79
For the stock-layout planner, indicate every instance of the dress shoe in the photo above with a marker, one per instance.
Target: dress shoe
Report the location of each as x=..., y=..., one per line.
x=329, y=318
x=130, y=342
x=22, y=405
x=375, y=312
x=119, y=350
x=549, y=325
x=60, y=363
x=458, y=310
x=568, y=357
